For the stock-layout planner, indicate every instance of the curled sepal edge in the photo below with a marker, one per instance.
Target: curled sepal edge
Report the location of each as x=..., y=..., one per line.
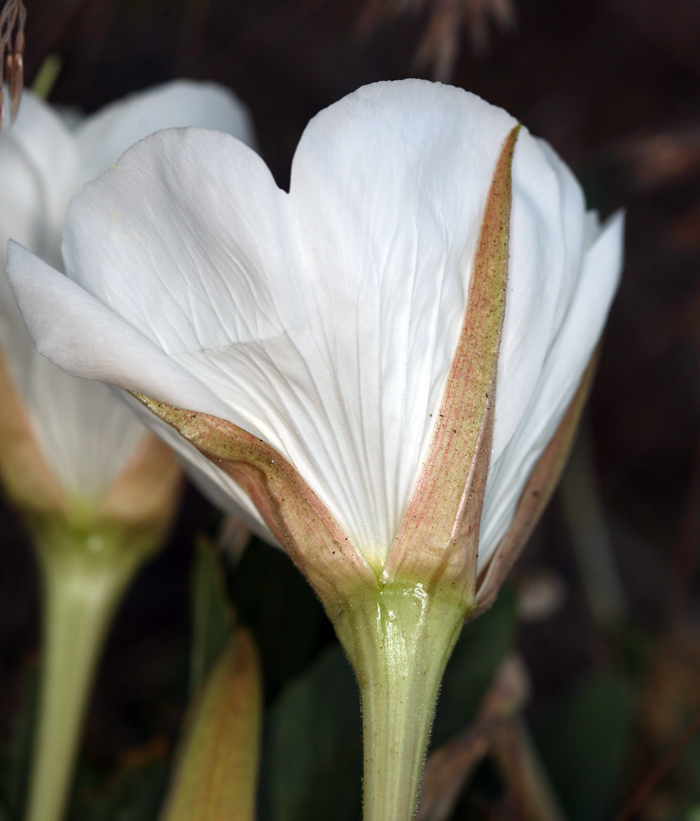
x=535, y=496
x=295, y=515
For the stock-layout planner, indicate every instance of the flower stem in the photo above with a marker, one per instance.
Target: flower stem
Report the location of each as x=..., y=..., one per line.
x=84, y=574
x=398, y=638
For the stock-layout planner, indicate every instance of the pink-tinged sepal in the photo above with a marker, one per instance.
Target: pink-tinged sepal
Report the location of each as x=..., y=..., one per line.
x=26, y=477
x=535, y=496
x=291, y=510
x=437, y=542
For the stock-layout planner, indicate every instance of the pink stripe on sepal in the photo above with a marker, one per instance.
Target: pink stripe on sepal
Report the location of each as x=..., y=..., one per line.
x=437, y=541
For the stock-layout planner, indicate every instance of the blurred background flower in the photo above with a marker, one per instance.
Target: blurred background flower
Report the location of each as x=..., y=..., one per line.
x=97, y=490
x=82, y=433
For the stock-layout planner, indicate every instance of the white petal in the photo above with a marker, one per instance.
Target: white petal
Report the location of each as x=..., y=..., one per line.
x=33, y=198
x=557, y=383
x=173, y=236
x=547, y=246
x=87, y=436
x=105, y=136
x=85, y=339
x=22, y=210
x=389, y=187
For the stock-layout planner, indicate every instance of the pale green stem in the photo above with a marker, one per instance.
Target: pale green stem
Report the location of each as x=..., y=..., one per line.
x=84, y=574
x=398, y=638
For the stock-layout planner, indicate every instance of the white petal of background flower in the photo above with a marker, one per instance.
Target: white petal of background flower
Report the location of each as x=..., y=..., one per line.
x=87, y=435
x=50, y=168
x=104, y=137
x=326, y=319
x=22, y=206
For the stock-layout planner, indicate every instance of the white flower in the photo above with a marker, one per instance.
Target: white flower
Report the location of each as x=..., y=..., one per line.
x=334, y=351
x=86, y=435
x=325, y=320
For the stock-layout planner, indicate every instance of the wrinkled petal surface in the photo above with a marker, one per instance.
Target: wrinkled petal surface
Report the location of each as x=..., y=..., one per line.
x=325, y=319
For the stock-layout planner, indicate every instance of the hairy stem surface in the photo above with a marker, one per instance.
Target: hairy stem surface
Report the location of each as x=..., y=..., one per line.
x=398, y=638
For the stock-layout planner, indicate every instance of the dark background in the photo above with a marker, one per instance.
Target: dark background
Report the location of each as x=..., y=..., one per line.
x=614, y=86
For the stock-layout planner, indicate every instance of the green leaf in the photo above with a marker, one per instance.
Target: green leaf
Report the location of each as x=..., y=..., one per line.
x=481, y=648
x=312, y=757
x=212, y=613
x=274, y=599
x=584, y=741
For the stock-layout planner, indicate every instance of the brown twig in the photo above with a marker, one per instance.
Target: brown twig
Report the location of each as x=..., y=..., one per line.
x=531, y=794
x=644, y=790
x=450, y=766
x=448, y=20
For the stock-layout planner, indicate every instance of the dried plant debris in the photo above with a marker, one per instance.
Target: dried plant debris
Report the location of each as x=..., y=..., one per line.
x=658, y=158
x=12, y=21
x=447, y=19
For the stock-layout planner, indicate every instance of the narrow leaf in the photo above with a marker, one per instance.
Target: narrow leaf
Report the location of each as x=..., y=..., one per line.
x=216, y=776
